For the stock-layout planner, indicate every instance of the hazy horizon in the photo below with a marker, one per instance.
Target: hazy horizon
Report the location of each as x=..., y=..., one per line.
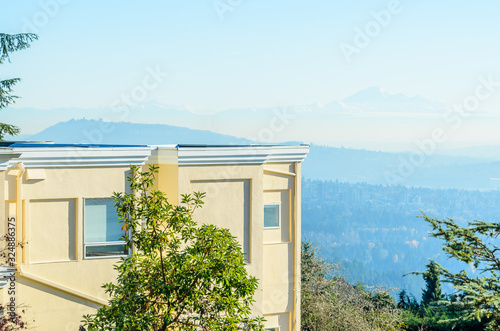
x=441, y=78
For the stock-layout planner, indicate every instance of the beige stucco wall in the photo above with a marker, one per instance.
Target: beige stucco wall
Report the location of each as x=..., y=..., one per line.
x=166, y=180
x=282, y=246
x=235, y=199
x=53, y=219
x=236, y=194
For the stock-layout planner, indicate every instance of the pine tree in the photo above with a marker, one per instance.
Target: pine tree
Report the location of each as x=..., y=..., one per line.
x=432, y=292
x=407, y=302
x=475, y=246
x=9, y=44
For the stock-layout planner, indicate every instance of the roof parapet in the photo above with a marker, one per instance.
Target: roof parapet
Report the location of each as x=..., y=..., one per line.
x=75, y=155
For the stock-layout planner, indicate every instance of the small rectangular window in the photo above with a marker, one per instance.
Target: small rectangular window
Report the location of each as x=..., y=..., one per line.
x=272, y=215
x=102, y=229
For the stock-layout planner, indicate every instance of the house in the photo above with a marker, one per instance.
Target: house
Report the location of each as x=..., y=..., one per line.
x=57, y=205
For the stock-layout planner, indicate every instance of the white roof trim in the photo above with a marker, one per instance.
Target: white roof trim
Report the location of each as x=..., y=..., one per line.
x=49, y=157
x=71, y=156
x=6, y=155
x=241, y=155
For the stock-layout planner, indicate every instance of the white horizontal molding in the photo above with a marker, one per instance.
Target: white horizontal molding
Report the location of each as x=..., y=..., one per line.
x=80, y=157
x=241, y=154
x=6, y=156
x=112, y=156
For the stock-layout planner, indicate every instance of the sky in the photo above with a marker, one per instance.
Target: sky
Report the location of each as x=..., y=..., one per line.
x=213, y=55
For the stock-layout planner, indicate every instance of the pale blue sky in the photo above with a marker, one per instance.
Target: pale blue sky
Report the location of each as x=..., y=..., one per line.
x=263, y=53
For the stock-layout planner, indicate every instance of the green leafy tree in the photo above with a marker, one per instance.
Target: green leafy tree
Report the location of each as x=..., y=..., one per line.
x=8, y=44
x=181, y=275
x=478, y=294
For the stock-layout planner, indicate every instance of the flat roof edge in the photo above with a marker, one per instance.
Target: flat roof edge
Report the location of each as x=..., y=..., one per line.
x=95, y=155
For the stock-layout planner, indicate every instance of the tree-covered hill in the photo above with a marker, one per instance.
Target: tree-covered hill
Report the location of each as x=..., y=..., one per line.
x=376, y=232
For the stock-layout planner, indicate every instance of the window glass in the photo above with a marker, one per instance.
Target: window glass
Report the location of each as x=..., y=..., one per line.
x=105, y=250
x=272, y=215
x=102, y=230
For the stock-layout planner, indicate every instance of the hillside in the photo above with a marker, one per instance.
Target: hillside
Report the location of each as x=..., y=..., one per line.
x=323, y=163
x=100, y=132
x=348, y=207
x=382, y=168
x=376, y=232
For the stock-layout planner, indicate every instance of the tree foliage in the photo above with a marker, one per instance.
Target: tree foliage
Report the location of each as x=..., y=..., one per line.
x=328, y=302
x=180, y=276
x=11, y=322
x=11, y=315
x=432, y=292
x=475, y=303
x=475, y=245
x=317, y=290
x=8, y=44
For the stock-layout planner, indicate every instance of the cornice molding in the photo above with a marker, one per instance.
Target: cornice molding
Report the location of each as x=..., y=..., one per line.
x=241, y=155
x=50, y=157
x=113, y=156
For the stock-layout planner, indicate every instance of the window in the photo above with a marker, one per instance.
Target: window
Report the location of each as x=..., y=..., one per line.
x=272, y=215
x=102, y=230
x=272, y=329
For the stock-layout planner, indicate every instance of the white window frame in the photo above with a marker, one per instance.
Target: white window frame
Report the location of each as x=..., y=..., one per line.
x=105, y=243
x=279, y=216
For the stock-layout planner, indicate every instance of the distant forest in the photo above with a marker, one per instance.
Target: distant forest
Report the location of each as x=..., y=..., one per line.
x=375, y=230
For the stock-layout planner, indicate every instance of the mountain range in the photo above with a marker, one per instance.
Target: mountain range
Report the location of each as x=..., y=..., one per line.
x=359, y=218
x=368, y=116
x=323, y=163
x=361, y=206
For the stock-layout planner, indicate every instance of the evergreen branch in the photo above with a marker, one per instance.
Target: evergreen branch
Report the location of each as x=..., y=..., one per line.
x=16, y=42
x=5, y=89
